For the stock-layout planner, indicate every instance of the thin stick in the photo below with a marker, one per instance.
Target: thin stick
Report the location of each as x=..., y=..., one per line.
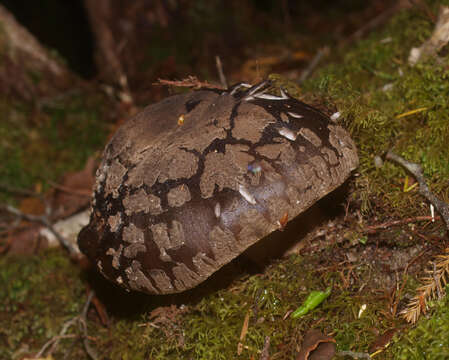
x=55, y=339
x=373, y=228
x=313, y=64
x=355, y=355
x=19, y=191
x=376, y=21
x=83, y=325
x=243, y=334
x=221, y=74
x=44, y=221
x=81, y=320
x=52, y=341
x=191, y=82
x=83, y=193
x=416, y=171
x=265, y=354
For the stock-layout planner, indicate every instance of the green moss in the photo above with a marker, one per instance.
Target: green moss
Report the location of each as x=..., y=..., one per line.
x=39, y=293
x=211, y=328
x=356, y=84
x=42, y=145
x=43, y=292
x=428, y=340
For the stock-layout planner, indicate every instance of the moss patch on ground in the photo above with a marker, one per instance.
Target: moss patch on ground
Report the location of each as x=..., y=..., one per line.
x=373, y=87
x=50, y=288
x=39, y=294
x=428, y=340
x=41, y=142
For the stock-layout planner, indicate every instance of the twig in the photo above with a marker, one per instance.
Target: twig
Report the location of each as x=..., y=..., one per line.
x=83, y=325
x=373, y=228
x=313, y=64
x=376, y=21
x=436, y=280
x=191, y=82
x=101, y=311
x=397, y=295
x=19, y=191
x=82, y=193
x=432, y=283
x=243, y=334
x=81, y=320
x=355, y=355
x=265, y=354
x=221, y=74
x=42, y=219
x=416, y=171
x=54, y=340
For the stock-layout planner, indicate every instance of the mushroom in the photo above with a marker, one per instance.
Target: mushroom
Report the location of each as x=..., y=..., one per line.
x=189, y=183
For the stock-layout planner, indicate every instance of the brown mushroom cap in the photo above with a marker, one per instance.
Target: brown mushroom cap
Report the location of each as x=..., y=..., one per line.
x=189, y=183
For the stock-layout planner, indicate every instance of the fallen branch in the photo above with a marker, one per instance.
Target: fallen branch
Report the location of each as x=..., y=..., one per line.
x=416, y=171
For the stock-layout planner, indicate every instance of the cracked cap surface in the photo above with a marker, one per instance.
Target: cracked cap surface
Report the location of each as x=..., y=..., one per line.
x=189, y=183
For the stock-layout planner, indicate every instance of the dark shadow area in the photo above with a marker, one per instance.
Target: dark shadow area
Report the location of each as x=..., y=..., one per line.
x=60, y=25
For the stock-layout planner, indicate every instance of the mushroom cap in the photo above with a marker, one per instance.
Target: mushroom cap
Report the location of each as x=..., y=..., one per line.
x=191, y=182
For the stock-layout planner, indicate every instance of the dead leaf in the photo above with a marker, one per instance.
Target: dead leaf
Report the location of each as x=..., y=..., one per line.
x=317, y=346
x=75, y=190
x=26, y=241
x=382, y=341
x=32, y=206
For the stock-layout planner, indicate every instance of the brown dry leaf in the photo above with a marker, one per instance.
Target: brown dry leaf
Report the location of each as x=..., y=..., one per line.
x=317, y=346
x=26, y=241
x=382, y=341
x=32, y=206
x=75, y=190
